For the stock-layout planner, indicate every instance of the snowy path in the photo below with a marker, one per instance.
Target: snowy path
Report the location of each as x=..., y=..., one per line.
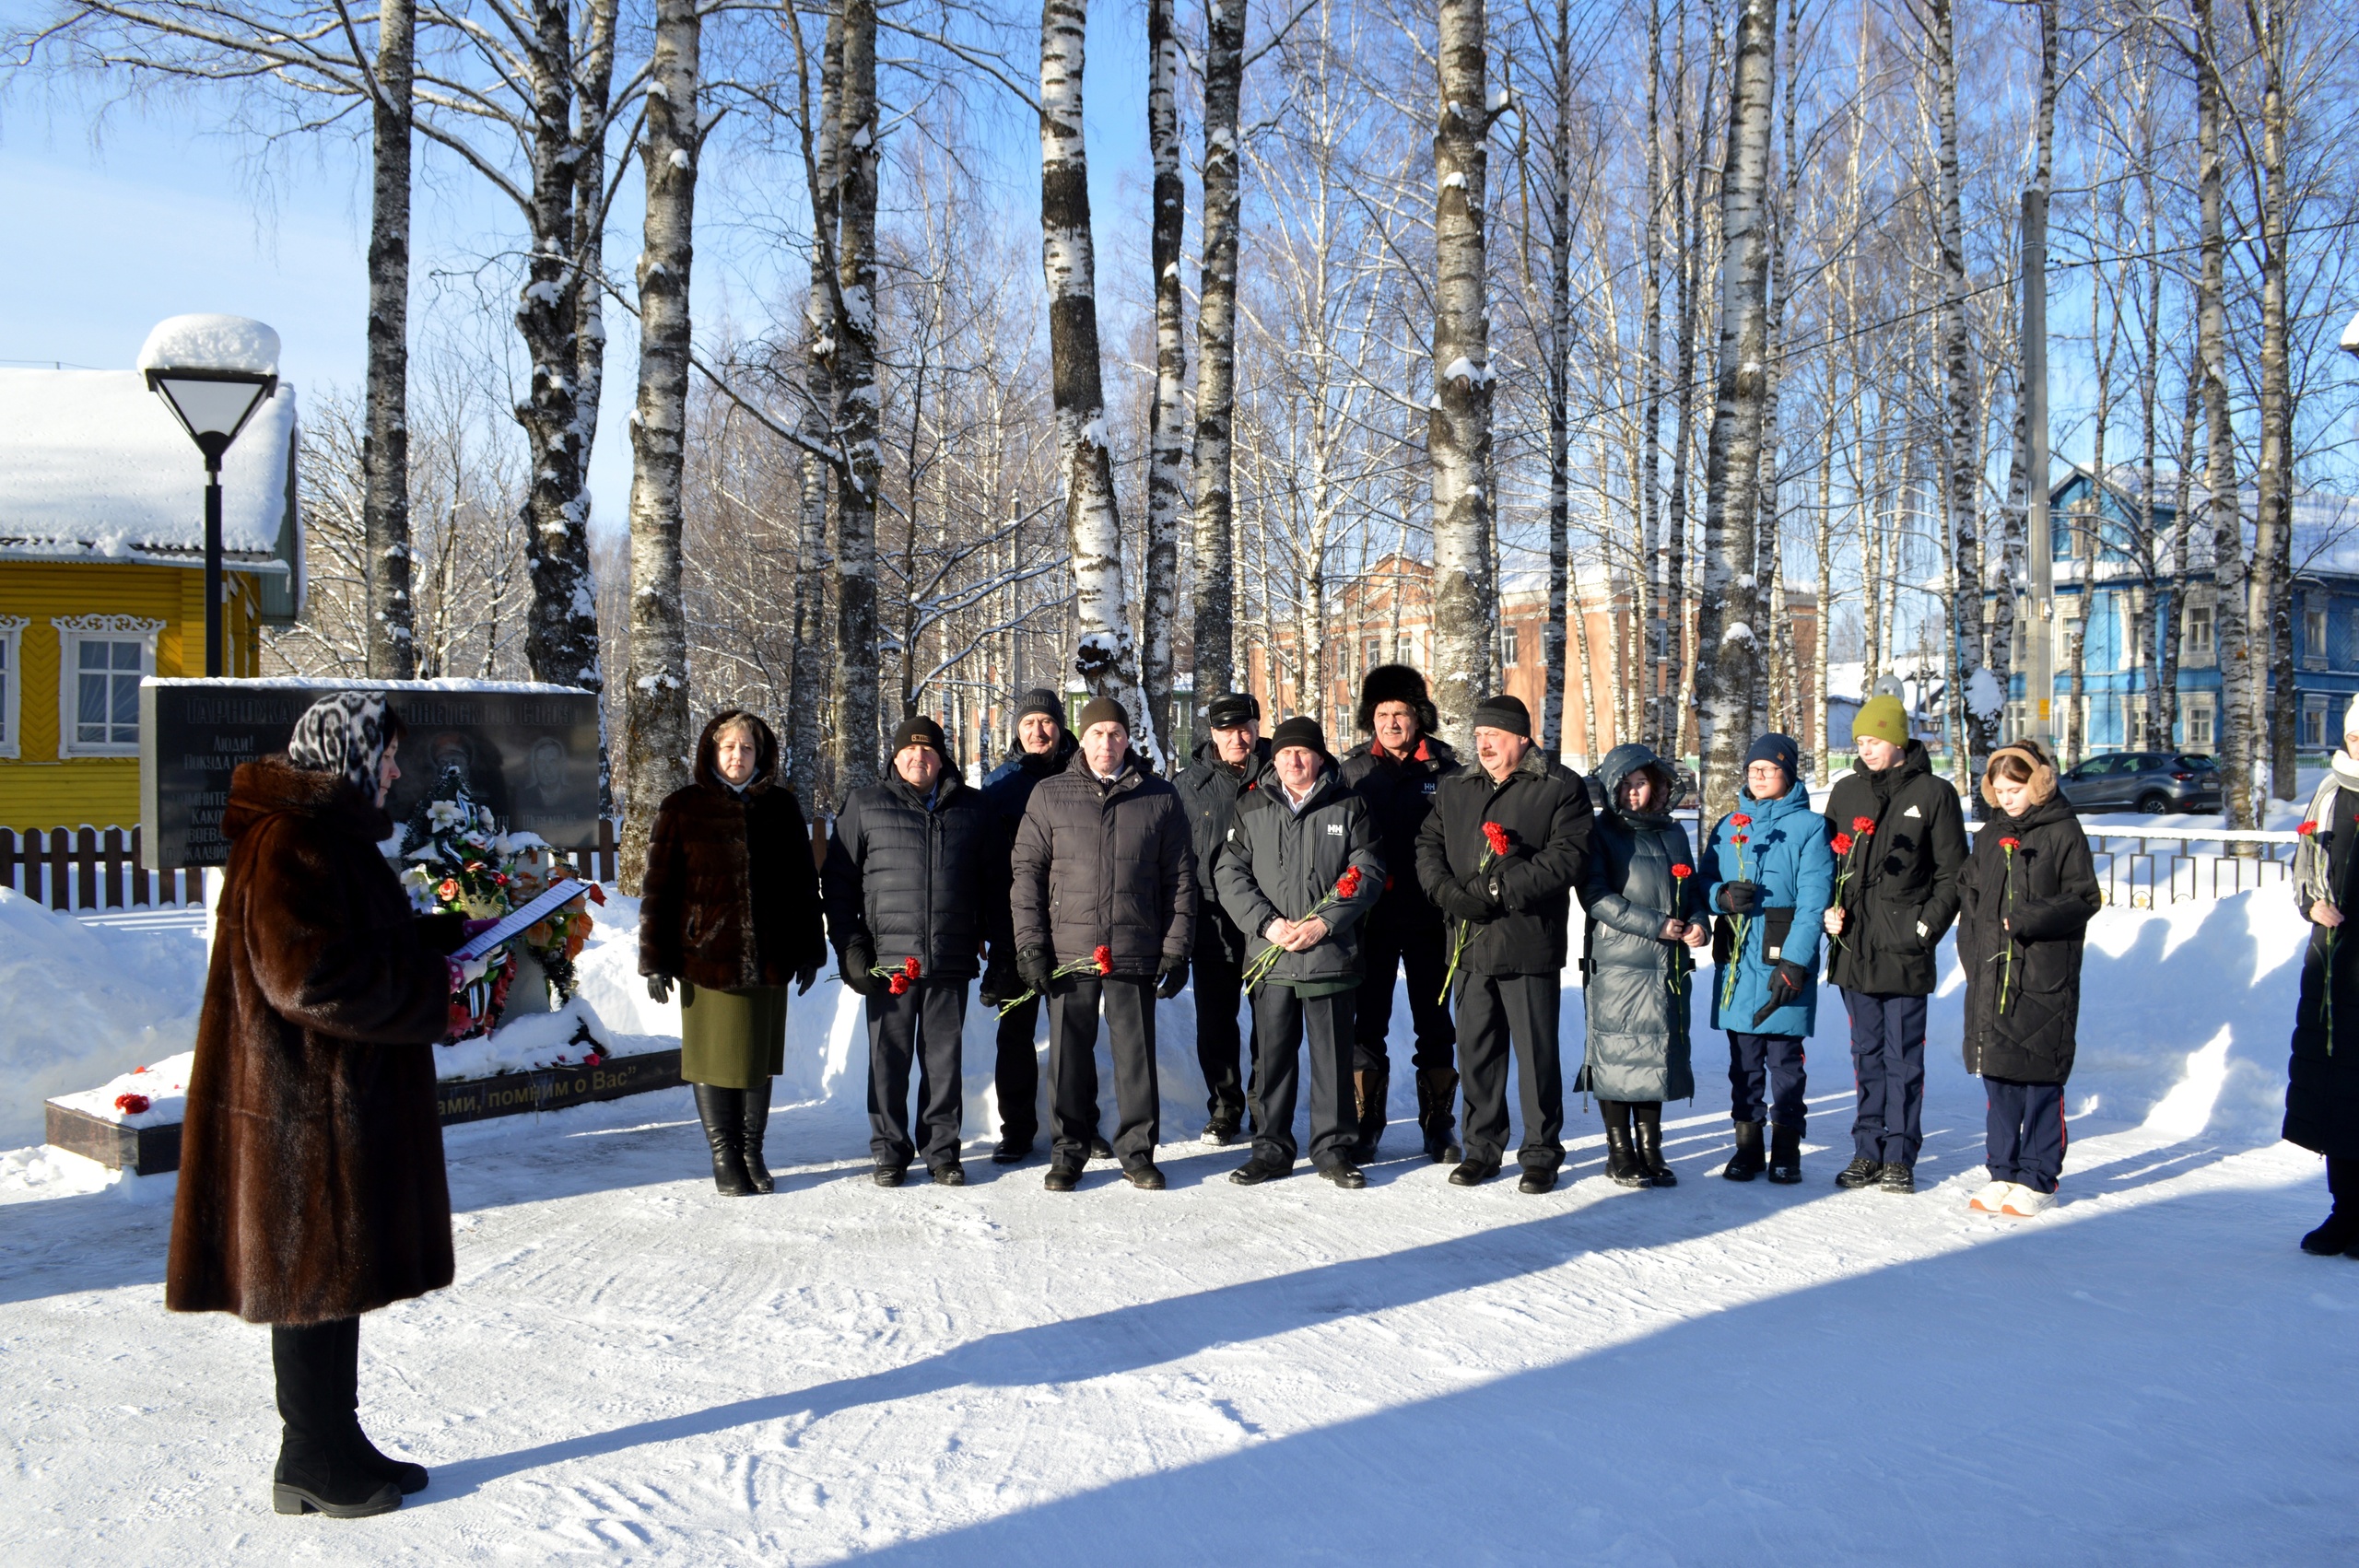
x=631, y=1368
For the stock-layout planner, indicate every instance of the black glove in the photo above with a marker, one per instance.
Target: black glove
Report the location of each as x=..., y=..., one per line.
x=1452, y=899
x=1172, y=978
x=1740, y=897
x=1483, y=888
x=659, y=987
x=805, y=979
x=856, y=959
x=1036, y=963
x=1787, y=981
x=1000, y=982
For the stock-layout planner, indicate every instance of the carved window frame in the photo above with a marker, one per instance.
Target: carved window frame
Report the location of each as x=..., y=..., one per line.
x=72, y=632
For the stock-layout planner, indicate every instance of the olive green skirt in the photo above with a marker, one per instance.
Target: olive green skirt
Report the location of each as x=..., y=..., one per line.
x=733, y=1039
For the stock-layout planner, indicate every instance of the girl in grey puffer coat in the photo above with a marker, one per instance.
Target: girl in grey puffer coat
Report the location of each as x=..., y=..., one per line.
x=1638, y=976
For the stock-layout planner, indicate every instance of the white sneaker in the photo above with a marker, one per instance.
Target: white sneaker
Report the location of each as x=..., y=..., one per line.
x=2022, y=1203
x=1991, y=1199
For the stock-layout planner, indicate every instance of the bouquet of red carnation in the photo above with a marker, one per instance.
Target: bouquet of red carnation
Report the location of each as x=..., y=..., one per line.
x=1862, y=829
x=898, y=978
x=1739, y=821
x=1347, y=887
x=1099, y=961
x=1496, y=843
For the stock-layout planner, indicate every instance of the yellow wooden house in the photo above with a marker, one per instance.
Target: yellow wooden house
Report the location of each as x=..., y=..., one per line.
x=102, y=577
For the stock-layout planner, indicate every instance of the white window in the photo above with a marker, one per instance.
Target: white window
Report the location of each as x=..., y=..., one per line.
x=2195, y=646
x=2195, y=712
x=1510, y=649
x=2314, y=649
x=2312, y=730
x=11, y=679
x=101, y=662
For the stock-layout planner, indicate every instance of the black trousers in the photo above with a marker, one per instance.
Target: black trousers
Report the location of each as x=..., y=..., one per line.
x=1072, y=1066
x=923, y=1023
x=1282, y=1025
x=1888, y=1064
x=2025, y=1133
x=1015, y=1073
x=1388, y=944
x=1496, y=1012
x=1767, y=1081
x=1220, y=1044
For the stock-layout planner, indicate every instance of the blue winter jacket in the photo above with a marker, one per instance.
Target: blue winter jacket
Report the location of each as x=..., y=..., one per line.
x=1786, y=851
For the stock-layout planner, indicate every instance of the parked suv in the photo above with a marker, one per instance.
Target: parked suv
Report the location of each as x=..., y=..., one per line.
x=2152, y=782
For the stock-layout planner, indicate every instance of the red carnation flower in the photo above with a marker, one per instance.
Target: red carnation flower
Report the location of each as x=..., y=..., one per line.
x=1348, y=884
x=1682, y=871
x=2308, y=830
x=592, y=1059
x=1742, y=838
x=910, y=967
x=1842, y=843
x=1497, y=836
x=898, y=985
x=1863, y=826
x=131, y=1104
x=1104, y=958
x=2010, y=844
x=1741, y=820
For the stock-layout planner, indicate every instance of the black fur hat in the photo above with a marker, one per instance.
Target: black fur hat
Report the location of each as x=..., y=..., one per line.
x=1397, y=682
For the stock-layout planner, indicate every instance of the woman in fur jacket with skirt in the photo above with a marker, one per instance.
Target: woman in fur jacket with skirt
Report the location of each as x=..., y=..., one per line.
x=2025, y=898
x=311, y=1182
x=729, y=910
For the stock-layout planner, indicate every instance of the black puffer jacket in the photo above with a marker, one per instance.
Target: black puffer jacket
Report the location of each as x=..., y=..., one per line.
x=1518, y=905
x=1007, y=790
x=1400, y=796
x=2023, y=985
x=1105, y=864
x=1900, y=893
x=1275, y=862
x=2322, y=1078
x=1637, y=987
x=1209, y=789
x=915, y=881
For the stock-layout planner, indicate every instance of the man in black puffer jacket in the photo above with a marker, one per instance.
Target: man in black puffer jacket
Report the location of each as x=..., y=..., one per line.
x=1043, y=748
x=1397, y=775
x=1906, y=834
x=912, y=866
x=1296, y=844
x=1104, y=899
x=1233, y=761
x=1510, y=909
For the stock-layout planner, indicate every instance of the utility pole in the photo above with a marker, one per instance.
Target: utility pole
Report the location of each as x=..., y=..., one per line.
x=2039, y=671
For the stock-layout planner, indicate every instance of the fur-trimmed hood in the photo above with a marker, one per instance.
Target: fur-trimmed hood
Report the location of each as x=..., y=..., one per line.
x=766, y=753
x=2043, y=772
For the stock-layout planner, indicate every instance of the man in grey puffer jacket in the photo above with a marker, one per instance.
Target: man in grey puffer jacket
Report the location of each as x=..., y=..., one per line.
x=1299, y=871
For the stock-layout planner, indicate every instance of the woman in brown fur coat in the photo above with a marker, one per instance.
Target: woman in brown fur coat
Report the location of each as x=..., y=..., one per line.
x=729, y=910
x=311, y=1185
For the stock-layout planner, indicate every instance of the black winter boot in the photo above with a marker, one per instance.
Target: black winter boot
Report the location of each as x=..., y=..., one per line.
x=1648, y=1114
x=410, y=1477
x=320, y=1464
x=1861, y=1171
x=723, y=1112
x=1747, y=1162
x=1436, y=1113
x=758, y=1121
x=1785, y=1155
x=1622, y=1166
x=2340, y=1232
x=1374, y=1088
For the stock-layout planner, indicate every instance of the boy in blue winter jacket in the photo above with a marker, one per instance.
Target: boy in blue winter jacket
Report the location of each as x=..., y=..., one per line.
x=1769, y=875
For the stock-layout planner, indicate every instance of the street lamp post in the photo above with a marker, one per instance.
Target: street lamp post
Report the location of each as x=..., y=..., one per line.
x=213, y=372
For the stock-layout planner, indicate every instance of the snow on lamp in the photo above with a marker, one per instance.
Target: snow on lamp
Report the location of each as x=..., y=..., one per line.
x=212, y=372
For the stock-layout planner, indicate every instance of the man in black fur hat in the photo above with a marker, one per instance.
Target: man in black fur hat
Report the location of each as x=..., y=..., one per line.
x=1396, y=775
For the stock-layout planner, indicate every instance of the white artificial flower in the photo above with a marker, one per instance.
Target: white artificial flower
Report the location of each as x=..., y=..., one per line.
x=445, y=813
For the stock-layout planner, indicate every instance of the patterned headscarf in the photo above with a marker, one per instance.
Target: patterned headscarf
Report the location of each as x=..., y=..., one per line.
x=343, y=734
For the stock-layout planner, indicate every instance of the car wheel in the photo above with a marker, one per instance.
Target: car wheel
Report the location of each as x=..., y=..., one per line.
x=2154, y=804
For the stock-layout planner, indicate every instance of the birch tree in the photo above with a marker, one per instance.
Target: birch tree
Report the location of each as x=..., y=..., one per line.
x=1979, y=694
x=1213, y=610
x=2238, y=695
x=1166, y=434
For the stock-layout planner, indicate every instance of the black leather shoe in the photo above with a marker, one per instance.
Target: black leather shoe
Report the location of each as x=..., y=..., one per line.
x=889, y=1175
x=2340, y=1234
x=1345, y=1174
x=1896, y=1177
x=1143, y=1176
x=1062, y=1179
x=1537, y=1179
x=1472, y=1173
x=952, y=1175
x=1861, y=1171
x=1219, y=1132
x=1100, y=1150
x=1011, y=1151
x=1257, y=1170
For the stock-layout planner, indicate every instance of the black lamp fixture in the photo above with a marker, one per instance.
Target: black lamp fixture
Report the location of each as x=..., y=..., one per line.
x=213, y=372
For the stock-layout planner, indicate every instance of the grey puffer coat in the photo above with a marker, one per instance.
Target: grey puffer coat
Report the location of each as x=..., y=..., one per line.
x=1636, y=988
x=1100, y=864
x=1277, y=863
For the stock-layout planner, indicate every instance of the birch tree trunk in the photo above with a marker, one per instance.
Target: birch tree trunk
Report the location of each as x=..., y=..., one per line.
x=1166, y=437
x=2272, y=551
x=2228, y=576
x=809, y=675
x=1216, y=585
x=1560, y=430
x=1644, y=582
x=1982, y=697
x=856, y=408
x=655, y=698
x=1459, y=428
x=2015, y=567
x=593, y=111
x=2182, y=522
x=384, y=504
x=1726, y=631
x=1105, y=657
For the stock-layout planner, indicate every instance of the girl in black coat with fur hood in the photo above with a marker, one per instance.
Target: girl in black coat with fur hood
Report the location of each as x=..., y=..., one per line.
x=2026, y=899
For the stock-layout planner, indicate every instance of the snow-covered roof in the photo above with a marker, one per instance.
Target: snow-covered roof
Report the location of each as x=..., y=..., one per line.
x=94, y=466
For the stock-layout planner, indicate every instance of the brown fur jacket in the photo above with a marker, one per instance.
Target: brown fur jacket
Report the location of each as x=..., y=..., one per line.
x=310, y=1183
x=730, y=897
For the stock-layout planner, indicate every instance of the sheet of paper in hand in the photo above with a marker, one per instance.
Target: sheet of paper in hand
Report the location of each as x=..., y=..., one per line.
x=519, y=921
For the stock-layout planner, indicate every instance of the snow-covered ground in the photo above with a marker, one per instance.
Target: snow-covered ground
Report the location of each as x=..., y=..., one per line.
x=632, y=1368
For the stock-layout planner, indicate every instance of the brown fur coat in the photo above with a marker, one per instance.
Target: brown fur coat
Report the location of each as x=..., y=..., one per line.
x=311, y=1183
x=731, y=897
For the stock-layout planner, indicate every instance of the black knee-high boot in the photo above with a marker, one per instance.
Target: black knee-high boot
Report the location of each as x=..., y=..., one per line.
x=320, y=1465
x=1648, y=1139
x=723, y=1112
x=758, y=1121
x=2340, y=1232
x=410, y=1477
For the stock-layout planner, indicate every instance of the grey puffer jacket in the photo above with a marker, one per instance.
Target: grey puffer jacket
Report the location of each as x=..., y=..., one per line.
x=1637, y=987
x=1099, y=864
x=1277, y=863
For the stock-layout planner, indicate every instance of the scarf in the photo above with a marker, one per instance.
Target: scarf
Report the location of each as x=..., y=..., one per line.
x=343, y=733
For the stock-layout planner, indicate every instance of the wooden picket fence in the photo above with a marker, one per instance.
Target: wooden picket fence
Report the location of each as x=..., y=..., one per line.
x=86, y=869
